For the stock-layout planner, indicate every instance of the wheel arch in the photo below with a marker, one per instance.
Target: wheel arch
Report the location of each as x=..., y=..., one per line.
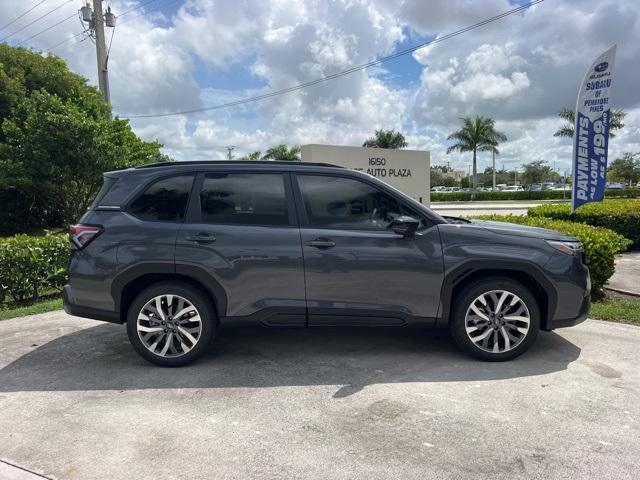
x=130, y=283
x=527, y=275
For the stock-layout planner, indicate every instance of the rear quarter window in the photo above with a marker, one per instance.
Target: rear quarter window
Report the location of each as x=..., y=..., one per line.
x=107, y=183
x=164, y=200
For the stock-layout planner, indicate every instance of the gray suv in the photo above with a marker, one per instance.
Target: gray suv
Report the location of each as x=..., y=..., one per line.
x=178, y=250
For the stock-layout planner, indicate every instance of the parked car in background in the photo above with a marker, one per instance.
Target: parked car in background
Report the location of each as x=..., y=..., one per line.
x=615, y=186
x=178, y=250
x=565, y=187
x=535, y=187
x=513, y=188
x=438, y=188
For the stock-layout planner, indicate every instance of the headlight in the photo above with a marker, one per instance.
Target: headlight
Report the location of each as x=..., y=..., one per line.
x=569, y=248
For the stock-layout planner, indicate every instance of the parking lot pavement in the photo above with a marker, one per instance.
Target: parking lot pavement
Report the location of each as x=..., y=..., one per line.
x=472, y=209
x=625, y=278
x=77, y=402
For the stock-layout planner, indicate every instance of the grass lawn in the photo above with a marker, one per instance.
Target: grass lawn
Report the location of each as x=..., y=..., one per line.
x=625, y=310
x=40, y=307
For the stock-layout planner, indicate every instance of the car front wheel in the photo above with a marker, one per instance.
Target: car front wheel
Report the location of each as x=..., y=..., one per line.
x=495, y=319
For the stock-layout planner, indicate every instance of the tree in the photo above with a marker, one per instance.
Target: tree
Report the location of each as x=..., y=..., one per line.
x=477, y=134
x=502, y=176
x=283, y=152
x=257, y=155
x=537, y=172
x=56, y=140
x=626, y=169
x=567, y=128
x=438, y=178
x=386, y=139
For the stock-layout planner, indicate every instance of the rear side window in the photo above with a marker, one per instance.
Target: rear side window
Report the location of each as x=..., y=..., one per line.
x=164, y=201
x=244, y=199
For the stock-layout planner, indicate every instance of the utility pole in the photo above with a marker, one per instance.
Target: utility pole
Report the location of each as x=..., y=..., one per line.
x=493, y=154
x=230, y=152
x=97, y=20
x=101, y=51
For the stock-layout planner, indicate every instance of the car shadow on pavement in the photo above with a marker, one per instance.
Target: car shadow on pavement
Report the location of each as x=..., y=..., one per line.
x=100, y=358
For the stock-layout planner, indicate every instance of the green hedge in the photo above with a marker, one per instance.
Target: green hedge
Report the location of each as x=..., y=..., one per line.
x=600, y=244
x=31, y=265
x=621, y=216
x=526, y=195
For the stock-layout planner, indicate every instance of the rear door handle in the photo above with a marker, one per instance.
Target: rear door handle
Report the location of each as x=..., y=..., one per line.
x=321, y=243
x=202, y=238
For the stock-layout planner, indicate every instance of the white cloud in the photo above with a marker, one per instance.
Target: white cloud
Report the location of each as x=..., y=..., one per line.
x=520, y=70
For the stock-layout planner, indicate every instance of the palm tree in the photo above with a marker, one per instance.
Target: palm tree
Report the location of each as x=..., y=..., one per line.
x=283, y=152
x=477, y=134
x=253, y=155
x=386, y=139
x=566, y=130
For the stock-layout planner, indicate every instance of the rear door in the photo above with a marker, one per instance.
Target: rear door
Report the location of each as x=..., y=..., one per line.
x=358, y=271
x=242, y=234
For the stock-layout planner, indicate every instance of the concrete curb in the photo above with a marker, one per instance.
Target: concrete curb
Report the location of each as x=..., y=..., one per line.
x=620, y=290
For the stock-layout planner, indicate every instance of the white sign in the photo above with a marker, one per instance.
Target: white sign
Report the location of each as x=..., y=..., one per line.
x=406, y=170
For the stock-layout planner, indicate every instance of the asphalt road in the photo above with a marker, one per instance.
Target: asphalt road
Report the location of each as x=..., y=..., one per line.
x=471, y=209
x=77, y=402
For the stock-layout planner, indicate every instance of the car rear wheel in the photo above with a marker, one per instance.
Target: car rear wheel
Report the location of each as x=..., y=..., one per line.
x=495, y=319
x=171, y=324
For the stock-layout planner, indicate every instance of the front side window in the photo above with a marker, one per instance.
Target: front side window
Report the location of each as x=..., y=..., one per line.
x=338, y=202
x=244, y=199
x=165, y=200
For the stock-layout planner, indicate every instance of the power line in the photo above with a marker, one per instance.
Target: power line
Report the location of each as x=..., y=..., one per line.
x=344, y=72
x=138, y=7
x=79, y=34
x=53, y=48
x=46, y=29
x=22, y=15
x=148, y=11
x=34, y=21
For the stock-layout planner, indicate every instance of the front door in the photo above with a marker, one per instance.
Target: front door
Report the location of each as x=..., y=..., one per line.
x=357, y=271
x=241, y=228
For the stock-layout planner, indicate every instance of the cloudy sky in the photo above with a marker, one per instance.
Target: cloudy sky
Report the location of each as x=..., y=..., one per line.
x=174, y=55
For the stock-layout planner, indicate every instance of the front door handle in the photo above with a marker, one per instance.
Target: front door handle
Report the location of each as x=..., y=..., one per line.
x=202, y=238
x=321, y=243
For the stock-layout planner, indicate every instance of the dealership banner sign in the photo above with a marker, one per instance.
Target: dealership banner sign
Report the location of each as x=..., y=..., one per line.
x=591, y=137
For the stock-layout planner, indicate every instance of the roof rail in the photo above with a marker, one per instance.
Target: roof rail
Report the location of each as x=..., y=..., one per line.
x=237, y=162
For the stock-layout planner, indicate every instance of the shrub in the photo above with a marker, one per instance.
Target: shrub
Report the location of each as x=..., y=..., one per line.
x=621, y=216
x=30, y=265
x=526, y=195
x=600, y=244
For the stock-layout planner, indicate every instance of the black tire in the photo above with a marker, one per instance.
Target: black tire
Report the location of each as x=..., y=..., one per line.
x=197, y=298
x=462, y=304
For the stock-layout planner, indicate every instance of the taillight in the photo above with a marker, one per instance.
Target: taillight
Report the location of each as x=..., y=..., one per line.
x=81, y=235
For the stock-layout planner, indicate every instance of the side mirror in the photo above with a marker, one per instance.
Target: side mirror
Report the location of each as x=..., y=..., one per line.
x=404, y=225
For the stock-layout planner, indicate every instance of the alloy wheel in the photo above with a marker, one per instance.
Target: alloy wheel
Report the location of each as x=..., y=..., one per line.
x=169, y=325
x=497, y=321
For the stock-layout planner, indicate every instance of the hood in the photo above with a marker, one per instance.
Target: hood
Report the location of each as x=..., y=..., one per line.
x=505, y=228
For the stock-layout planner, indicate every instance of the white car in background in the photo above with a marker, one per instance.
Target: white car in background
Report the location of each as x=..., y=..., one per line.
x=513, y=188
